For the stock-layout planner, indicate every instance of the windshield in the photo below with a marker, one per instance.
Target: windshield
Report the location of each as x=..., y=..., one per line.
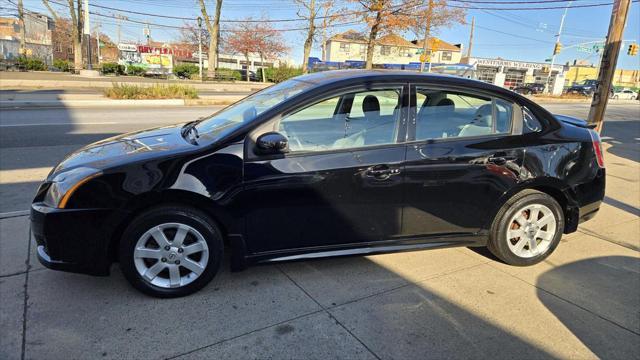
x=245, y=110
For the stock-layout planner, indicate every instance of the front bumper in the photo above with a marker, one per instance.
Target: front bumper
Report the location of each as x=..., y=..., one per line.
x=75, y=240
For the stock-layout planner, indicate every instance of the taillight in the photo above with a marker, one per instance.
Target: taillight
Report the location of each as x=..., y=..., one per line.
x=597, y=147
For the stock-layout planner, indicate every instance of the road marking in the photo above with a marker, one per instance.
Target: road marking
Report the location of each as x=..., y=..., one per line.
x=11, y=214
x=62, y=124
x=19, y=176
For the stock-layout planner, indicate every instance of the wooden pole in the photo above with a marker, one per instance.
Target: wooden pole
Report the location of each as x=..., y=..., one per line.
x=427, y=30
x=608, y=63
x=473, y=24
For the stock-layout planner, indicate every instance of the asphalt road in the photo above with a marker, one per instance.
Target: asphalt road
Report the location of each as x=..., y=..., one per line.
x=34, y=140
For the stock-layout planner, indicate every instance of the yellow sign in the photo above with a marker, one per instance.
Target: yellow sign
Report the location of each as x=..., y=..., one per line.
x=435, y=44
x=425, y=58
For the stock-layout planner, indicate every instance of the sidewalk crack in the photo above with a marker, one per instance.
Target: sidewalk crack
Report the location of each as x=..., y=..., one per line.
x=26, y=298
x=329, y=314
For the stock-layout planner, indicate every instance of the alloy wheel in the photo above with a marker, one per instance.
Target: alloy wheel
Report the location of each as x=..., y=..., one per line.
x=531, y=230
x=171, y=255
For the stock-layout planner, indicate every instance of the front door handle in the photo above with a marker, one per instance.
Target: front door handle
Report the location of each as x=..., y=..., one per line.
x=381, y=172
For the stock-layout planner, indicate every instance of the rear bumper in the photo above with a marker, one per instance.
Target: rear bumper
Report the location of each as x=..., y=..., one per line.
x=74, y=240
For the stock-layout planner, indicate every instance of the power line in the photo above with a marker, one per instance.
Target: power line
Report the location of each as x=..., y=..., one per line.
x=510, y=2
x=526, y=8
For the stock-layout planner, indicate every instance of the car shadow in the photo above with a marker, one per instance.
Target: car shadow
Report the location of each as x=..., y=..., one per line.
x=607, y=287
x=624, y=138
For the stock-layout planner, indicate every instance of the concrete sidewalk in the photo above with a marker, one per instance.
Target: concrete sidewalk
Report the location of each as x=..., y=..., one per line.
x=581, y=303
x=52, y=80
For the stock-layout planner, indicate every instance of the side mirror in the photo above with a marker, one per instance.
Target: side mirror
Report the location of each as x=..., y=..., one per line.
x=272, y=143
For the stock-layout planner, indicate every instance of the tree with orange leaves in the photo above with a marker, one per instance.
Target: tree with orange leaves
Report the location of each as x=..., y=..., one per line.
x=384, y=17
x=255, y=37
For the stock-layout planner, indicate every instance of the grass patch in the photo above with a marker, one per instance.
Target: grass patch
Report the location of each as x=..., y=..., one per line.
x=157, y=91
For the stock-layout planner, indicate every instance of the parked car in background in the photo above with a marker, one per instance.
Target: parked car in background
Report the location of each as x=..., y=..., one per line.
x=530, y=89
x=332, y=163
x=587, y=88
x=625, y=94
x=252, y=75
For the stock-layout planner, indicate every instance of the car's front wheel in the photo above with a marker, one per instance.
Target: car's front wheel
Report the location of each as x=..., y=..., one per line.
x=527, y=228
x=170, y=251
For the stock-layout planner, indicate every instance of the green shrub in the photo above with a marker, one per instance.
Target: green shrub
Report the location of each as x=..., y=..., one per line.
x=136, y=70
x=281, y=73
x=112, y=68
x=157, y=91
x=228, y=74
x=32, y=64
x=186, y=70
x=62, y=65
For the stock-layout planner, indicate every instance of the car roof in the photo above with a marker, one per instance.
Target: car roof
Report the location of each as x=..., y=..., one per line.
x=339, y=76
x=326, y=77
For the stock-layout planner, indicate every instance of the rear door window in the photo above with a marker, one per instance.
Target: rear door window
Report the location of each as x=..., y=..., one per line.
x=444, y=114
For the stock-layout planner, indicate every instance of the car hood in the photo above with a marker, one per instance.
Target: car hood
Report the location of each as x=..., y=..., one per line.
x=125, y=148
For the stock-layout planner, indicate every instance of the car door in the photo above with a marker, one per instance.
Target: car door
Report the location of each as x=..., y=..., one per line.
x=340, y=184
x=463, y=156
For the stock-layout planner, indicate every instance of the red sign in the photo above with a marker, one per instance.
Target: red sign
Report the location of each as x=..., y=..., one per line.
x=178, y=53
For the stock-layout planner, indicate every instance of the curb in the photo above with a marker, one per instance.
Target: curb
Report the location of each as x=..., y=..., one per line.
x=62, y=103
x=101, y=84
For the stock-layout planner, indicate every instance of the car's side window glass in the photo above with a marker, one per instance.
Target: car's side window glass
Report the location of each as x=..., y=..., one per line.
x=530, y=122
x=449, y=114
x=347, y=121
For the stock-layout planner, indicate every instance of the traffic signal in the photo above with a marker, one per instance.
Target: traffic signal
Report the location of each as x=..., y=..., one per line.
x=557, y=48
x=633, y=50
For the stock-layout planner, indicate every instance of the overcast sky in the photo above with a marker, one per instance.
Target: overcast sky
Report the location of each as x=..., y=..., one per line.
x=514, y=35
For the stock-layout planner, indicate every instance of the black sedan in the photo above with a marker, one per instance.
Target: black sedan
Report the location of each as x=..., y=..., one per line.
x=328, y=164
x=530, y=89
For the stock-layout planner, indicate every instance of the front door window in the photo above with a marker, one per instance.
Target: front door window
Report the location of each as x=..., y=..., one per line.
x=350, y=120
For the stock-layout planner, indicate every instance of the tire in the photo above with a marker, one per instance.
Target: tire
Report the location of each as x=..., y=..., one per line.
x=616, y=97
x=504, y=241
x=140, y=252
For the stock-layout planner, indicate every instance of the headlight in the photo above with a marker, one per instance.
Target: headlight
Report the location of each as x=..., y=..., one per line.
x=64, y=184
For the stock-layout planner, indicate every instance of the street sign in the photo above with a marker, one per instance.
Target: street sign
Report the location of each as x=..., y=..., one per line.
x=584, y=49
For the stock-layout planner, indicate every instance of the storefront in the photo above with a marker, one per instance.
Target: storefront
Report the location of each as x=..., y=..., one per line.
x=511, y=74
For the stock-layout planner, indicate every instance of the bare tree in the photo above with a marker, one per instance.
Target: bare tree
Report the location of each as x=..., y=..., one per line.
x=431, y=16
x=23, y=36
x=214, y=34
x=76, y=26
x=309, y=14
x=385, y=16
x=55, y=16
x=189, y=35
x=329, y=15
x=309, y=10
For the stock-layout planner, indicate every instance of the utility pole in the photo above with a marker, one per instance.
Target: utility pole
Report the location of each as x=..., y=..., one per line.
x=98, y=40
x=473, y=24
x=608, y=63
x=556, y=48
x=147, y=34
x=119, y=17
x=87, y=33
x=23, y=35
x=200, y=47
x=427, y=30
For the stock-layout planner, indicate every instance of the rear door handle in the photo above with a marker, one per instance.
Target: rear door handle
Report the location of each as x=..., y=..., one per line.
x=381, y=172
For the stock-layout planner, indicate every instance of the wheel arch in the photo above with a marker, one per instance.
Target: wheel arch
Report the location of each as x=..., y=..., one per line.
x=142, y=202
x=553, y=187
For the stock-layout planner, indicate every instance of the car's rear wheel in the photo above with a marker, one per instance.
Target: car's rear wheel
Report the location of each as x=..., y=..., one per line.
x=171, y=251
x=527, y=228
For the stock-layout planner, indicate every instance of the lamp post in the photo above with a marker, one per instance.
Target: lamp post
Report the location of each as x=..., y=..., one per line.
x=200, y=46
